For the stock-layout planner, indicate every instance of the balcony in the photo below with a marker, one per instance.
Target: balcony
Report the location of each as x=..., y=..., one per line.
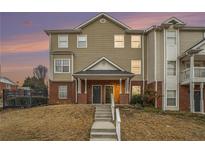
x=199, y=75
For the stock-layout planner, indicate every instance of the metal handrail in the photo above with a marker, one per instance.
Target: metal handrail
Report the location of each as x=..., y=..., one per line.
x=113, y=107
x=118, y=121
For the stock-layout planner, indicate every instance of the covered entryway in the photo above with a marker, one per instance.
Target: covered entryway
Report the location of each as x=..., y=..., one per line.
x=98, y=81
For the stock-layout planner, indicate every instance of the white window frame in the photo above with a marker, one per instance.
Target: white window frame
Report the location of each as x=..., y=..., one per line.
x=60, y=91
x=172, y=98
x=63, y=35
x=55, y=59
x=137, y=89
x=171, y=68
x=83, y=35
x=171, y=36
x=119, y=41
x=140, y=41
x=140, y=72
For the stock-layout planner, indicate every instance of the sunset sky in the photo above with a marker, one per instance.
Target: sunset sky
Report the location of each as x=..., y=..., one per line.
x=24, y=45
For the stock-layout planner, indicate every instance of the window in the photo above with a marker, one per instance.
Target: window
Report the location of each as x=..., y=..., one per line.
x=82, y=41
x=136, y=66
x=204, y=34
x=171, y=97
x=171, y=38
x=171, y=68
x=62, y=66
x=62, y=41
x=136, y=90
x=119, y=41
x=135, y=41
x=62, y=92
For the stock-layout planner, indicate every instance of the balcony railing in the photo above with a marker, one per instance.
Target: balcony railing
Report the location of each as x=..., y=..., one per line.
x=199, y=72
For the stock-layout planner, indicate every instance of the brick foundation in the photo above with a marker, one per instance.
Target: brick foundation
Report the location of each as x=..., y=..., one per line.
x=151, y=86
x=124, y=98
x=82, y=98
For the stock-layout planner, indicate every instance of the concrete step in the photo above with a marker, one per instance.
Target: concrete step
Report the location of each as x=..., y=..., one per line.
x=103, y=110
x=104, y=130
x=103, y=139
x=103, y=116
x=103, y=135
x=103, y=119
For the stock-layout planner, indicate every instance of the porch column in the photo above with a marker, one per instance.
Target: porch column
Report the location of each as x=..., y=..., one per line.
x=85, y=86
x=202, y=96
x=120, y=86
x=191, y=81
x=79, y=86
x=127, y=85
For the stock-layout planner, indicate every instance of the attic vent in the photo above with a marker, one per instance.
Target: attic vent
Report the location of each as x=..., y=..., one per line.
x=102, y=20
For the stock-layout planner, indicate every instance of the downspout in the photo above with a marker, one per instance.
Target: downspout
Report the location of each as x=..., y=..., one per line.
x=155, y=65
x=143, y=80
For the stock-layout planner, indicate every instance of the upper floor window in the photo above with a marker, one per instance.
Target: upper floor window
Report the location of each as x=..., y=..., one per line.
x=171, y=68
x=119, y=41
x=62, y=92
x=136, y=66
x=62, y=66
x=204, y=34
x=62, y=41
x=82, y=41
x=171, y=97
x=135, y=41
x=171, y=38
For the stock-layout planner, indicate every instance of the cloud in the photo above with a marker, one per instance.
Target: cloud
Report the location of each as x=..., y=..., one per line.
x=27, y=23
x=33, y=42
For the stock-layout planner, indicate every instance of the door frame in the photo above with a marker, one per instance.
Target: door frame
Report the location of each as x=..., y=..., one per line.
x=100, y=93
x=105, y=92
x=199, y=101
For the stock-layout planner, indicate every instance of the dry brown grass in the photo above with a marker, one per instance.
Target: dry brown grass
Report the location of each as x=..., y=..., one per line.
x=151, y=124
x=55, y=122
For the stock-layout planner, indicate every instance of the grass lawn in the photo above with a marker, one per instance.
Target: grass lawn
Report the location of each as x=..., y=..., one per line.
x=151, y=124
x=54, y=122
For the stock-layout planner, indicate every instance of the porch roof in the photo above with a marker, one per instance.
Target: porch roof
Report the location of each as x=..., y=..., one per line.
x=103, y=73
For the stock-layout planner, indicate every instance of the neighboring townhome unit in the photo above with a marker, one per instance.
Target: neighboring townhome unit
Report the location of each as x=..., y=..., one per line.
x=103, y=56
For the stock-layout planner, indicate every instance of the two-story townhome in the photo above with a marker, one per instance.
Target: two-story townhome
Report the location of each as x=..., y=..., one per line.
x=103, y=56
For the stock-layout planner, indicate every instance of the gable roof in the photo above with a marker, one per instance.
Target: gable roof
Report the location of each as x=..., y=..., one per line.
x=173, y=20
x=101, y=59
x=197, y=45
x=101, y=15
x=6, y=80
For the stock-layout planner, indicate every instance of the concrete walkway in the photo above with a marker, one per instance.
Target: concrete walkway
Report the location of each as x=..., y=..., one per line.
x=103, y=129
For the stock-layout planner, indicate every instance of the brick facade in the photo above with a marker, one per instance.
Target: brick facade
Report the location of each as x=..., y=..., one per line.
x=53, y=92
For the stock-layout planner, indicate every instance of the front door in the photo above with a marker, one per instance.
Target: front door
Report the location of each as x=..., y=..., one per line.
x=96, y=94
x=197, y=104
x=108, y=92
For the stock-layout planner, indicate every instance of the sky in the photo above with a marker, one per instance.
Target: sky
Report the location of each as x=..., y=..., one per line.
x=24, y=45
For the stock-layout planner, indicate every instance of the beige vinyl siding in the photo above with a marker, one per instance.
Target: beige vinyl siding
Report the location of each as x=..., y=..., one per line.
x=150, y=56
x=160, y=55
x=189, y=38
x=100, y=41
x=60, y=76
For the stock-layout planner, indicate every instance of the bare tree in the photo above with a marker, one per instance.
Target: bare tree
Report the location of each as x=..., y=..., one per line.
x=40, y=72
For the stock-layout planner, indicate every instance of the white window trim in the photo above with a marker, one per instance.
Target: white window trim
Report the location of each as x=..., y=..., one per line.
x=169, y=97
x=138, y=87
x=59, y=35
x=136, y=41
x=66, y=92
x=86, y=41
x=55, y=65
x=175, y=67
x=140, y=66
x=123, y=40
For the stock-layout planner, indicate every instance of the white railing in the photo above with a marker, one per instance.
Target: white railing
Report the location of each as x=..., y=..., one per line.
x=118, y=121
x=199, y=72
x=113, y=107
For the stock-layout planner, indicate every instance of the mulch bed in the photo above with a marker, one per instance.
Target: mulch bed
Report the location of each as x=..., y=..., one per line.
x=54, y=122
x=150, y=125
